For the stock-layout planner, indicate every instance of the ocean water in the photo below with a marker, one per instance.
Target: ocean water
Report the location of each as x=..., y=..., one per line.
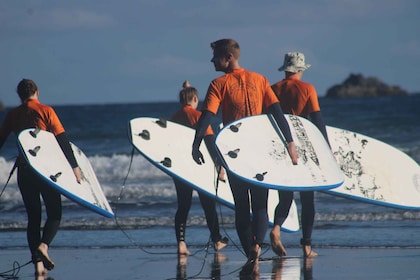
x=144, y=198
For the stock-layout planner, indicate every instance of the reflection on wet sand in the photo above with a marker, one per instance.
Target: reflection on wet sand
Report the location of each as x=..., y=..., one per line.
x=285, y=268
x=292, y=268
x=181, y=269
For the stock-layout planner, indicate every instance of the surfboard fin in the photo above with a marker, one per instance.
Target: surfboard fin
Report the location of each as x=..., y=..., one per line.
x=260, y=177
x=234, y=153
x=34, y=132
x=167, y=162
x=55, y=177
x=145, y=134
x=34, y=151
x=235, y=128
x=161, y=122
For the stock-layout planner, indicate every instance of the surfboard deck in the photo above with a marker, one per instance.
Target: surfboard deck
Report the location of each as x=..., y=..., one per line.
x=375, y=172
x=43, y=153
x=167, y=145
x=254, y=149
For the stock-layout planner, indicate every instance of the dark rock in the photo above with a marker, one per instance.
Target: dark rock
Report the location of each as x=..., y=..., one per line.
x=358, y=86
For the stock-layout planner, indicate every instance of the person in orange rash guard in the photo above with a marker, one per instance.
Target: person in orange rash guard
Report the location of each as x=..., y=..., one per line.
x=32, y=114
x=188, y=115
x=297, y=98
x=241, y=93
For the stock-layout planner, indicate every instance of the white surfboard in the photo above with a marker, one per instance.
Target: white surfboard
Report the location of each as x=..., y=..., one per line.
x=43, y=153
x=168, y=146
x=375, y=172
x=254, y=149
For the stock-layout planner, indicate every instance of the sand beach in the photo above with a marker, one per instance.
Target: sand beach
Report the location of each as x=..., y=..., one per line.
x=162, y=263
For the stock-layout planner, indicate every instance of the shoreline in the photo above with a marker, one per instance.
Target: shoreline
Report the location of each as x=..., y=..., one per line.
x=162, y=263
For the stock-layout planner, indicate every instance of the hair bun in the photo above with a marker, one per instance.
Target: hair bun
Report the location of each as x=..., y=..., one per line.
x=186, y=84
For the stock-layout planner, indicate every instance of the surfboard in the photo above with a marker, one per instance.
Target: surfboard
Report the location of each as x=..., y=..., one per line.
x=254, y=149
x=168, y=146
x=375, y=172
x=43, y=153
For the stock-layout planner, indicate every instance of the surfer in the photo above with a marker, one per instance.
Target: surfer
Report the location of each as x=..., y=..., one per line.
x=241, y=93
x=33, y=114
x=188, y=115
x=297, y=98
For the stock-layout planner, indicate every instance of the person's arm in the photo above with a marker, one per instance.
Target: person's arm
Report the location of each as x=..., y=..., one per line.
x=209, y=141
x=202, y=125
x=316, y=118
x=278, y=115
x=68, y=152
x=211, y=147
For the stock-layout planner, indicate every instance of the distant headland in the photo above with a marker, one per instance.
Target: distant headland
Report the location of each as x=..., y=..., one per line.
x=358, y=86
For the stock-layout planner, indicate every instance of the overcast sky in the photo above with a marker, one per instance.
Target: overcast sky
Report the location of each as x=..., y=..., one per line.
x=108, y=51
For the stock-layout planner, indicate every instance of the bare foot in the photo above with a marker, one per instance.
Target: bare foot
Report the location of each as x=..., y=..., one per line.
x=46, y=260
x=182, y=248
x=222, y=243
x=276, y=244
x=253, y=259
x=308, y=253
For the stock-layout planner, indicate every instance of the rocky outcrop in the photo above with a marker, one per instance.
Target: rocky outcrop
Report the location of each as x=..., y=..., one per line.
x=358, y=86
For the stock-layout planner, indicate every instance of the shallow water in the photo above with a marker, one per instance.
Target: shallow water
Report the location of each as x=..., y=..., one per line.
x=144, y=198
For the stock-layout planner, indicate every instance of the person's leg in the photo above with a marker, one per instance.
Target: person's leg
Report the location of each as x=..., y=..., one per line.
x=259, y=198
x=184, y=199
x=52, y=201
x=209, y=207
x=308, y=218
x=280, y=215
x=32, y=201
x=242, y=212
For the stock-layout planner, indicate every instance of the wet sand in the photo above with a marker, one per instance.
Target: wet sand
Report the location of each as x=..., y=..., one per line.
x=163, y=263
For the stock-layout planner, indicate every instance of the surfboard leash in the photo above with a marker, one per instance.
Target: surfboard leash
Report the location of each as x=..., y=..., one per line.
x=242, y=267
x=13, y=273
x=10, y=176
x=206, y=248
x=116, y=209
x=216, y=185
x=126, y=234
x=263, y=251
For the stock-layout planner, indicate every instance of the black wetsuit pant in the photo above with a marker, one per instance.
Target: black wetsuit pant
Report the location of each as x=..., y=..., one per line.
x=250, y=230
x=307, y=215
x=184, y=197
x=32, y=188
